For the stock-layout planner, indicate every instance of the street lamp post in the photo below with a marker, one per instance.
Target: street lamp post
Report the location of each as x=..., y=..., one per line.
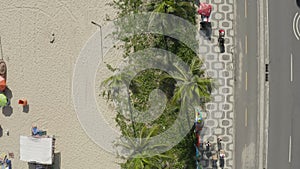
x=100, y=37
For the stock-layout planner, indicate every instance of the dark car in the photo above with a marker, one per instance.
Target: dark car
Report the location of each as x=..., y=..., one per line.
x=298, y=3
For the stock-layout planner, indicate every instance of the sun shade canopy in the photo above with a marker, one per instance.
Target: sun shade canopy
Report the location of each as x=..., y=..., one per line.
x=38, y=150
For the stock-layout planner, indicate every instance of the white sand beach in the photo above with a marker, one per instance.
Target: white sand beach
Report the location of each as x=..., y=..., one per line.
x=42, y=73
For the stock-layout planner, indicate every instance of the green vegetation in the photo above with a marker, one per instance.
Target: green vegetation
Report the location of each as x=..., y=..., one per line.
x=188, y=86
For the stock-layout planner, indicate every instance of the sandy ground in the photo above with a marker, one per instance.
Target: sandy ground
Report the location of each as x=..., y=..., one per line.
x=42, y=72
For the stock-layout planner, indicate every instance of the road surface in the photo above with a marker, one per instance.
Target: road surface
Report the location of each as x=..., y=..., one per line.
x=284, y=122
x=246, y=92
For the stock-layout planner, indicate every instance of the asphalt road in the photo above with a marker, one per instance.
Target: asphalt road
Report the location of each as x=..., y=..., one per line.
x=284, y=118
x=246, y=91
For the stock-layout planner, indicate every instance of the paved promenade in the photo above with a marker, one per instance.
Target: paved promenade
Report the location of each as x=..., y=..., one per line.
x=220, y=112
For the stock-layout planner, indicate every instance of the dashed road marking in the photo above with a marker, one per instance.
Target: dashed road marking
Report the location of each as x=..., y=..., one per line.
x=246, y=8
x=290, y=149
x=246, y=81
x=246, y=117
x=291, y=67
x=246, y=44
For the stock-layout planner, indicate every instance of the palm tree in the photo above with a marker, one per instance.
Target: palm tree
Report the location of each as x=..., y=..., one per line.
x=142, y=152
x=178, y=8
x=128, y=6
x=182, y=9
x=112, y=89
x=193, y=84
x=193, y=89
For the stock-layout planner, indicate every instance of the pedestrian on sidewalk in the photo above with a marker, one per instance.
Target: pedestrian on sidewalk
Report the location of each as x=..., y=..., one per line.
x=219, y=139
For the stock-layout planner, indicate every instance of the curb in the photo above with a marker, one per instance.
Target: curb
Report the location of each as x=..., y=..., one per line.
x=233, y=52
x=263, y=99
x=267, y=60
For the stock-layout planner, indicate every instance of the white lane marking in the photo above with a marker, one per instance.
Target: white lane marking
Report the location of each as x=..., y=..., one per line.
x=291, y=67
x=290, y=149
x=246, y=44
x=246, y=117
x=295, y=25
x=246, y=8
x=246, y=81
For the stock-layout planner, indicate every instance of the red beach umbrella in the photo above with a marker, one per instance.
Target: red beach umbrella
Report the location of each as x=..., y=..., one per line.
x=205, y=9
x=2, y=84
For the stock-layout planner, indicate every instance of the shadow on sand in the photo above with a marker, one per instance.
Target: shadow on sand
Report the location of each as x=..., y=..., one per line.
x=26, y=108
x=8, y=93
x=7, y=110
x=56, y=163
